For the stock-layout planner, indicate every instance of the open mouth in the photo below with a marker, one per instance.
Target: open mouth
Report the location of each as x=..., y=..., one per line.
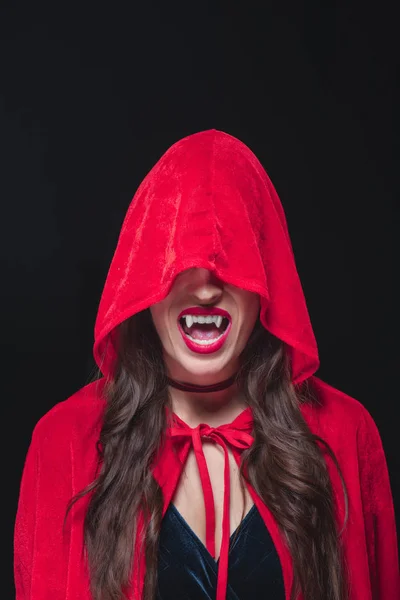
x=204, y=330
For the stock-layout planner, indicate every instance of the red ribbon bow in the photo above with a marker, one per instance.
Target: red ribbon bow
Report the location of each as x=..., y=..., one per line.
x=237, y=436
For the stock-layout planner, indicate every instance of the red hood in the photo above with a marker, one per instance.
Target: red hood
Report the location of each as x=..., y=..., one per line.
x=207, y=203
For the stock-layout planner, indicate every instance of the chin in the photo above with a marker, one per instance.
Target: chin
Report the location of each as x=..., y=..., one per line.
x=210, y=370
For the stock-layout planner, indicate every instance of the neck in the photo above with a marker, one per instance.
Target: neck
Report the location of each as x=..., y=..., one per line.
x=213, y=408
x=202, y=388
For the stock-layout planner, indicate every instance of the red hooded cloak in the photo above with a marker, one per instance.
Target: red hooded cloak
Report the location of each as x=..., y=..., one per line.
x=207, y=203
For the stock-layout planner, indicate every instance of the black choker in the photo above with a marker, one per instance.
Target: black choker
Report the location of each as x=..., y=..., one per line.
x=190, y=387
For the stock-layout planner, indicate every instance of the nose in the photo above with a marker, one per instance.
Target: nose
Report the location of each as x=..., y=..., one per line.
x=206, y=287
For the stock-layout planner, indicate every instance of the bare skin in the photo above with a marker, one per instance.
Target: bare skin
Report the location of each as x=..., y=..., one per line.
x=188, y=497
x=215, y=409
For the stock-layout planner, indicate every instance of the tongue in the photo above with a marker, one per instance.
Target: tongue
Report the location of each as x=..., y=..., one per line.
x=205, y=331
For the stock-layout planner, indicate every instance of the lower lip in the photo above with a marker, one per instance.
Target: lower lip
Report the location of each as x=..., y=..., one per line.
x=204, y=349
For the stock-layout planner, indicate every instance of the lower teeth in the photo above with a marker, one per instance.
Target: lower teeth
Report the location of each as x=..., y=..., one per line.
x=204, y=342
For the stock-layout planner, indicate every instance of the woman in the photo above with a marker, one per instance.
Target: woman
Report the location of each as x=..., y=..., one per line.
x=208, y=461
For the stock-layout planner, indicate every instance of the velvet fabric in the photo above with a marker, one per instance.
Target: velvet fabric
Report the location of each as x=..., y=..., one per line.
x=186, y=570
x=207, y=203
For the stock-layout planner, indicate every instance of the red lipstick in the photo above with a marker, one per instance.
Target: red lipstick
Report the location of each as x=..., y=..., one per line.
x=213, y=346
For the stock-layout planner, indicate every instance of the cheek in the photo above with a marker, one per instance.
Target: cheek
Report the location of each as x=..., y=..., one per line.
x=246, y=331
x=251, y=310
x=251, y=306
x=162, y=325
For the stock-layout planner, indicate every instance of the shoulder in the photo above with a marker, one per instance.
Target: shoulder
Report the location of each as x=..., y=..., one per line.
x=352, y=433
x=336, y=413
x=77, y=417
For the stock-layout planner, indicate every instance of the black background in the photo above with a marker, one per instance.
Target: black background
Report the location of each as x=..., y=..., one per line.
x=91, y=96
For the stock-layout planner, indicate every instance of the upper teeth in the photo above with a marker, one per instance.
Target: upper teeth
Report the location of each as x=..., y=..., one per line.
x=190, y=319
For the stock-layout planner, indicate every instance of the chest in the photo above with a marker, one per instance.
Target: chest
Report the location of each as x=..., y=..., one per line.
x=189, y=497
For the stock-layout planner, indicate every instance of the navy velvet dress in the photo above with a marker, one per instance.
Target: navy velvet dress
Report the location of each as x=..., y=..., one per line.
x=187, y=571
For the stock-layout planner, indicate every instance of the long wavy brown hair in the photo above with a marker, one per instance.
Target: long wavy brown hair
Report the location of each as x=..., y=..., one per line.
x=285, y=465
